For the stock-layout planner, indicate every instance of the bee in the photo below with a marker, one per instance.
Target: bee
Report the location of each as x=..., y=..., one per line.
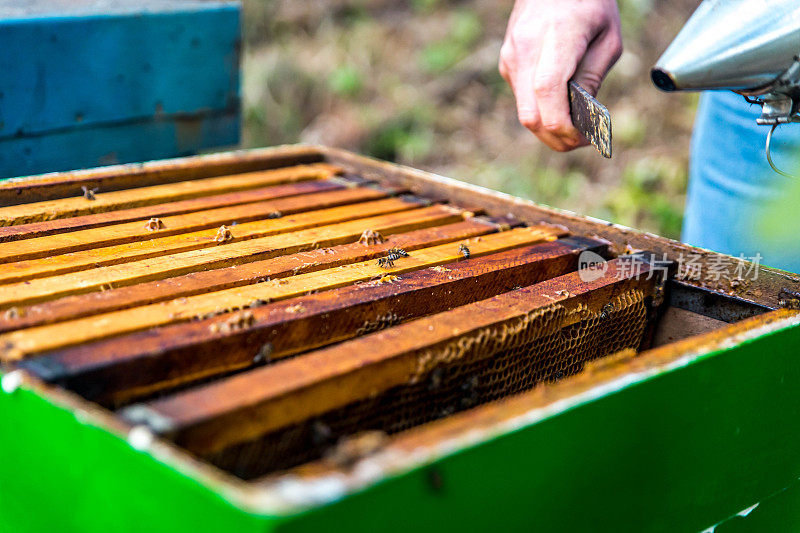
x=370, y=237
x=435, y=479
x=606, y=311
x=223, y=234
x=297, y=308
x=462, y=248
x=349, y=450
x=397, y=253
x=154, y=224
x=238, y=322
x=264, y=354
x=435, y=379
x=470, y=389
x=385, y=262
x=13, y=313
x=258, y=302
x=89, y=193
x=320, y=432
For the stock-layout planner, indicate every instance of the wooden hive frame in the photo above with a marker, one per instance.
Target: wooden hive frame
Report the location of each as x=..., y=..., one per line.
x=50, y=330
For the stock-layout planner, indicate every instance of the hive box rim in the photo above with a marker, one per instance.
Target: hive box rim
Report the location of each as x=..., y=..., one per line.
x=763, y=291
x=274, y=499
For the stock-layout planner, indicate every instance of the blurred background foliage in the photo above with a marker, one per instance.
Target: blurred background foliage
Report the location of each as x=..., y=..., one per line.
x=416, y=82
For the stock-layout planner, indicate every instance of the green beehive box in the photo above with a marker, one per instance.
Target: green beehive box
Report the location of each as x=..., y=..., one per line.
x=697, y=430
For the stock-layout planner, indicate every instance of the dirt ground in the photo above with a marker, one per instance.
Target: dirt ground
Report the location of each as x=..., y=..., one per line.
x=416, y=82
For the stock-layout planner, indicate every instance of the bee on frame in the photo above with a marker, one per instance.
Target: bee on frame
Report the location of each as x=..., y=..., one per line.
x=392, y=255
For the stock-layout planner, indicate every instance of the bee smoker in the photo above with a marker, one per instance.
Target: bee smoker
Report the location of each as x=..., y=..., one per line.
x=746, y=46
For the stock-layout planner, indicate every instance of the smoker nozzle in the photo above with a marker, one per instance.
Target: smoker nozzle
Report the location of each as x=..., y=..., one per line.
x=737, y=45
x=663, y=80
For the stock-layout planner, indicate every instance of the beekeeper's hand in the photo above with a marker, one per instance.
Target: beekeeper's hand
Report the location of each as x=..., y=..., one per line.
x=549, y=42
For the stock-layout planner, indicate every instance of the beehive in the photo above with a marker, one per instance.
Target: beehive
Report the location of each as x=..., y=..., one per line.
x=295, y=330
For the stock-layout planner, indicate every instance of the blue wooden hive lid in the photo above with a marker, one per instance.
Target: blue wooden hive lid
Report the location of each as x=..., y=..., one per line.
x=95, y=82
x=26, y=9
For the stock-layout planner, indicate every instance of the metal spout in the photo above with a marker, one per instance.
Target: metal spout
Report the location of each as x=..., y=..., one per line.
x=663, y=80
x=739, y=45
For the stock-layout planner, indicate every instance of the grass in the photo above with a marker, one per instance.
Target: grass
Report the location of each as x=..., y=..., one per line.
x=443, y=55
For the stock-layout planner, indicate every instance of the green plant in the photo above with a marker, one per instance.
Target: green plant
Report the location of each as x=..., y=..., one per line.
x=424, y=6
x=649, y=196
x=465, y=30
x=282, y=99
x=405, y=138
x=346, y=81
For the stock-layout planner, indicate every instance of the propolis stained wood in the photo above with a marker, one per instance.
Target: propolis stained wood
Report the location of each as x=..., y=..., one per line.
x=164, y=226
x=160, y=246
x=67, y=184
x=62, y=225
x=223, y=278
x=19, y=344
x=118, y=369
x=233, y=253
x=88, y=200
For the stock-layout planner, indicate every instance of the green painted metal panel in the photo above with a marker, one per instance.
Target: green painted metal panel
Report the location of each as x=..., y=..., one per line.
x=779, y=512
x=677, y=451
x=60, y=473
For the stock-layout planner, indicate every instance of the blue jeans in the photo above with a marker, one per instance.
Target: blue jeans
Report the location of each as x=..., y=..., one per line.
x=736, y=204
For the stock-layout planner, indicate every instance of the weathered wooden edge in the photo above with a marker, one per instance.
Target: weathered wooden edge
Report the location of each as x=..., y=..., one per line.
x=28, y=189
x=219, y=278
x=142, y=270
x=127, y=232
x=119, y=369
x=63, y=225
x=212, y=417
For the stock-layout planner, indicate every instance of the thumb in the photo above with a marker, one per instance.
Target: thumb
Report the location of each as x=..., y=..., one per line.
x=601, y=55
x=588, y=80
